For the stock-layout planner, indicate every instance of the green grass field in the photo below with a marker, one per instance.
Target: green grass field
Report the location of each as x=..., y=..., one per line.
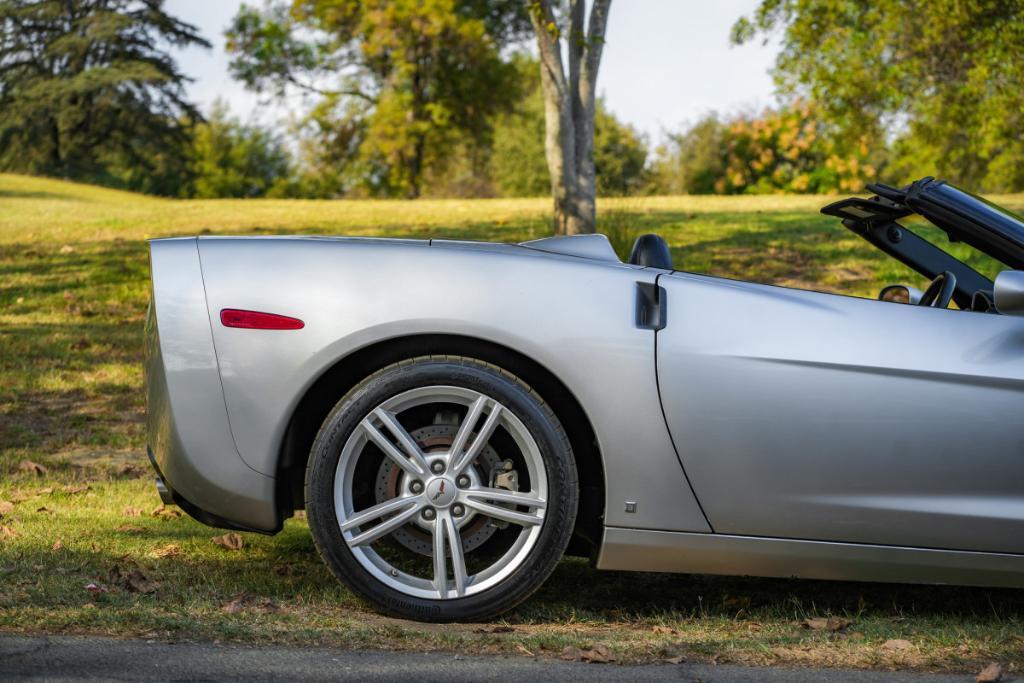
x=73, y=274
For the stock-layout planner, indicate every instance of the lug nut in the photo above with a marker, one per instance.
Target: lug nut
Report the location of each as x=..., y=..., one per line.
x=437, y=467
x=429, y=513
x=416, y=487
x=463, y=481
x=458, y=510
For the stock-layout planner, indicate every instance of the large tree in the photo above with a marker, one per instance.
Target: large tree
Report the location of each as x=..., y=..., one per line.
x=943, y=77
x=570, y=101
x=397, y=83
x=89, y=90
x=518, y=163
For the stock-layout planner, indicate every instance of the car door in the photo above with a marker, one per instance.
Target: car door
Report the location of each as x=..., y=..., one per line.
x=806, y=415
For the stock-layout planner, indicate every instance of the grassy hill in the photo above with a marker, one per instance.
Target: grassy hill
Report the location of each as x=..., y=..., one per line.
x=73, y=278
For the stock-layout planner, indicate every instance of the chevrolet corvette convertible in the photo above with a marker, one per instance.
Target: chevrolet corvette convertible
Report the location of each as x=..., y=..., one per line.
x=454, y=416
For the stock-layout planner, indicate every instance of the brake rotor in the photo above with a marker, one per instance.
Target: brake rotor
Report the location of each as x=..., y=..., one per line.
x=474, y=529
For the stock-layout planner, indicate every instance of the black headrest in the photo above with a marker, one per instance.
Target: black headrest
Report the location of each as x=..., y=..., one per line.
x=651, y=251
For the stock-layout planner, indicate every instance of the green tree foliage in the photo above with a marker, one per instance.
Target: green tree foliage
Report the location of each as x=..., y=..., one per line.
x=518, y=165
x=691, y=162
x=943, y=77
x=779, y=150
x=231, y=159
x=89, y=91
x=399, y=84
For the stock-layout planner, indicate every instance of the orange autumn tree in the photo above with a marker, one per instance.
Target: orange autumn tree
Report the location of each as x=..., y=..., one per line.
x=789, y=150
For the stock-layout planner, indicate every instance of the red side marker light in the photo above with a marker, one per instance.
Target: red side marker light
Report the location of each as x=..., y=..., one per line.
x=254, y=320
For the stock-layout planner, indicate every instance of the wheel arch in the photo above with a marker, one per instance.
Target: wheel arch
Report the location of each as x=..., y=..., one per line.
x=318, y=400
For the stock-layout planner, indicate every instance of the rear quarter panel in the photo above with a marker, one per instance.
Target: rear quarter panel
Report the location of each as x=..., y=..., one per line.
x=571, y=315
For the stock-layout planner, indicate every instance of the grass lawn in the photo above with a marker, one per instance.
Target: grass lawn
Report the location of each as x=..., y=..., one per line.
x=73, y=274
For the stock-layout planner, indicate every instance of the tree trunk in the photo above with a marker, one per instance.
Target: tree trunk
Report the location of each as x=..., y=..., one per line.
x=569, y=105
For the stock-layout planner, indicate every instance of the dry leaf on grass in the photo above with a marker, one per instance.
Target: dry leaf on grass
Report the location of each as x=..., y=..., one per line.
x=163, y=512
x=993, y=673
x=674, y=660
x=523, y=651
x=32, y=467
x=80, y=488
x=131, y=470
x=134, y=581
x=898, y=645
x=665, y=629
x=129, y=529
x=58, y=545
x=7, y=532
x=6, y=508
x=246, y=601
x=131, y=512
x=172, y=550
x=599, y=654
x=830, y=624
x=229, y=541
x=236, y=605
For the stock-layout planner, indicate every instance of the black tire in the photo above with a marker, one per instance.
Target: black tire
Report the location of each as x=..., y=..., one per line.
x=515, y=395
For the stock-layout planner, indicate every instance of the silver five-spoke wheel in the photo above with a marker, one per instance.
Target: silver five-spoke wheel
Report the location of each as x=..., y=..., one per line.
x=442, y=488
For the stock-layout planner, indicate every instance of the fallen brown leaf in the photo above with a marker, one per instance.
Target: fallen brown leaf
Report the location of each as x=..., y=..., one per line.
x=131, y=512
x=6, y=507
x=131, y=470
x=137, y=582
x=599, y=654
x=58, y=545
x=234, y=606
x=829, y=624
x=81, y=488
x=665, y=629
x=246, y=601
x=129, y=529
x=993, y=673
x=172, y=550
x=163, y=512
x=572, y=654
x=32, y=467
x=523, y=651
x=898, y=645
x=674, y=660
x=7, y=532
x=230, y=541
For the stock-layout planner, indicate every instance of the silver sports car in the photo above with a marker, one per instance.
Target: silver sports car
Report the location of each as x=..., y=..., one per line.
x=455, y=416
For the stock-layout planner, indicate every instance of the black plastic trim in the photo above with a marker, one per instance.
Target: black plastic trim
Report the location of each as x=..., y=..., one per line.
x=651, y=308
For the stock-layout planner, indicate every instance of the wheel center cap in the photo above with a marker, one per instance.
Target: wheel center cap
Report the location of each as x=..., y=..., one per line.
x=440, y=492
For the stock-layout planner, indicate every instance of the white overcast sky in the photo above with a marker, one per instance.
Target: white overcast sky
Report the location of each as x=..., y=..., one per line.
x=666, y=62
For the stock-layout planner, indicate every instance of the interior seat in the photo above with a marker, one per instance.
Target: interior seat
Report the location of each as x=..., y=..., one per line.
x=652, y=251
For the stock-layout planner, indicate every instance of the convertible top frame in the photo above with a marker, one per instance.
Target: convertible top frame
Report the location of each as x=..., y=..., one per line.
x=875, y=220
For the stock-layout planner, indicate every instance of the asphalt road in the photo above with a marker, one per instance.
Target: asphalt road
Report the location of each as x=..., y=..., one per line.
x=67, y=658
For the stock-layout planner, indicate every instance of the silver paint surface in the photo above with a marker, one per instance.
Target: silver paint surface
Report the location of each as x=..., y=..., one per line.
x=186, y=417
x=805, y=415
x=666, y=551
